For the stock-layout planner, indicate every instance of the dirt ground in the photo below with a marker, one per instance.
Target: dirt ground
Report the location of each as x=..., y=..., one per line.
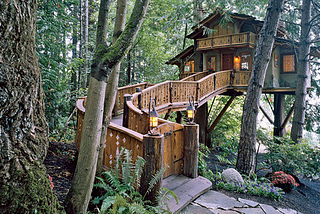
x=60, y=163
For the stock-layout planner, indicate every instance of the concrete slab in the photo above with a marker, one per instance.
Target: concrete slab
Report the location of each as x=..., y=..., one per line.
x=186, y=192
x=213, y=199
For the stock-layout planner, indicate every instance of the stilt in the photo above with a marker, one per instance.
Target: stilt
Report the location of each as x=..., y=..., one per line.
x=201, y=118
x=279, y=115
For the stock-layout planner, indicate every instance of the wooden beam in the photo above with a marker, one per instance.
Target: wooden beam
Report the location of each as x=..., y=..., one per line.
x=266, y=114
x=286, y=120
x=222, y=112
x=167, y=114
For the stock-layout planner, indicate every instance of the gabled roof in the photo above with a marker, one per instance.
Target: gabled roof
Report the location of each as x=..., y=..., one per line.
x=177, y=59
x=198, y=29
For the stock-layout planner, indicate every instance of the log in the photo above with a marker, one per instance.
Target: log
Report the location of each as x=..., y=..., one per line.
x=191, y=149
x=153, y=148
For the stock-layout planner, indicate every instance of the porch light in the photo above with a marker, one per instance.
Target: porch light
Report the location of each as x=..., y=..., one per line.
x=236, y=58
x=190, y=110
x=153, y=118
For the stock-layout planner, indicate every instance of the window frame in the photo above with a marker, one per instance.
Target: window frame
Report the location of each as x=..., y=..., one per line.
x=282, y=63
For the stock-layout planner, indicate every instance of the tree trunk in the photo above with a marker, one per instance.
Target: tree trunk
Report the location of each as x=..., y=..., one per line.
x=112, y=86
x=246, y=151
x=303, y=74
x=104, y=60
x=24, y=184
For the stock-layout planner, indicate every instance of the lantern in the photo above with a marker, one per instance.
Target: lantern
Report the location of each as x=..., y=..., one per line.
x=190, y=109
x=153, y=117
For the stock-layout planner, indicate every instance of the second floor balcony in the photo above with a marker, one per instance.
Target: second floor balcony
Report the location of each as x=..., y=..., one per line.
x=231, y=40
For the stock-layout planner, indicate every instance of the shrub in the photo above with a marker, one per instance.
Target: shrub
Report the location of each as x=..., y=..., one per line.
x=284, y=181
x=284, y=155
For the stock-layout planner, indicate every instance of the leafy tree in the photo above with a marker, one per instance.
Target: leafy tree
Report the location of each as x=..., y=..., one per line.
x=104, y=60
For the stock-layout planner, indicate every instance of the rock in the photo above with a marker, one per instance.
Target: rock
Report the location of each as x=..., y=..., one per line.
x=232, y=176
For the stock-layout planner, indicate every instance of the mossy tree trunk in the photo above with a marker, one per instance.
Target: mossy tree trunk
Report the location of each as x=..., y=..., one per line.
x=24, y=184
x=104, y=60
x=303, y=74
x=246, y=150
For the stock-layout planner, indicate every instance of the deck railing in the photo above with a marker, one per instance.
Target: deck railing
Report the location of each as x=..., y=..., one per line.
x=170, y=96
x=239, y=39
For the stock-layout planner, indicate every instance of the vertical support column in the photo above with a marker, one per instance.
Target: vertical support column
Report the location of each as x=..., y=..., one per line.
x=191, y=149
x=125, y=120
x=179, y=117
x=153, y=147
x=201, y=118
x=279, y=115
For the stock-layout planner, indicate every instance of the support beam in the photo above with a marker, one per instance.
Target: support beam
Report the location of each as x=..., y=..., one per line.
x=286, y=120
x=222, y=112
x=167, y=114
x=266, y=115
x=201, y=118
x=279, y=114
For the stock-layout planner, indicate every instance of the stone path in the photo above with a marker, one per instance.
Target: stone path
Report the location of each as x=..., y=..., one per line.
x=213, y=202
x=195, y=197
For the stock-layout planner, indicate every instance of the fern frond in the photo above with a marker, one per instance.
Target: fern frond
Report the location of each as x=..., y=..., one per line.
x=155, y=178
x=126, y=166
x=164, y=195
x=106, y=204
x=140, y=162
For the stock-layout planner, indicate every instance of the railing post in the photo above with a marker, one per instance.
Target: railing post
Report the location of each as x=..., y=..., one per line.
x=153, y=147
x=191, y=149
x=198, y=92
x=125, y=120
x=138, y=89
x=170, y=93
x=214, y=82
x=232, y=76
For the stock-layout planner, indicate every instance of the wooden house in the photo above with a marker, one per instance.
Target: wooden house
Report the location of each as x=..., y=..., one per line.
x=220, y=46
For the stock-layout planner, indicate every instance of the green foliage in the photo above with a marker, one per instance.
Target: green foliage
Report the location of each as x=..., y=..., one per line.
x=253, y=187
x=121, y=186
x=202, y=164
x=226, y=133
x=284, y=155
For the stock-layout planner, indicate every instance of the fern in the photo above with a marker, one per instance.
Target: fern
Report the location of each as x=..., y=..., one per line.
x=155, y=179
x=138, y=172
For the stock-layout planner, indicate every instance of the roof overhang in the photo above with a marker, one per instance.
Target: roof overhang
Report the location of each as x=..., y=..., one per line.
x=178, y=59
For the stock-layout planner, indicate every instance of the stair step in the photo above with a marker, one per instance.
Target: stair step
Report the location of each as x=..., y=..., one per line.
x=186, y=189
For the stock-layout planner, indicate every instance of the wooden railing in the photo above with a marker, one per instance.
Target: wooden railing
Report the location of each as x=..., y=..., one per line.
x=170, y=96
x=238, y=39
x=131, y=89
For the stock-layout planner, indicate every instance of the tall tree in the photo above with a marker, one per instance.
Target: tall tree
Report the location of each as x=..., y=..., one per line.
x=104, y=60
x=24, y=184
x=246, y=150
x=113, y=81
x=303, y=74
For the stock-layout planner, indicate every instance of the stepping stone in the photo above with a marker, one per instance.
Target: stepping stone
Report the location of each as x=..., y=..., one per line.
x=186, y=192
x=249, y=210
x=213, y=199
x=196, y=209
x=287, y=211
x=269, y=209
x=248, y=202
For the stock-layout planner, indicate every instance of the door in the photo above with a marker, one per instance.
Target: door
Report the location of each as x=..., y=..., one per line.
x=227, y=61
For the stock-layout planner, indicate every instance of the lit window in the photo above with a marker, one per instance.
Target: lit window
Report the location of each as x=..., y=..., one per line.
x=288, y=63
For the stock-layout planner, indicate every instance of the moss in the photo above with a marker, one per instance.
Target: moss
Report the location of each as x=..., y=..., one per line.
x=28, y=193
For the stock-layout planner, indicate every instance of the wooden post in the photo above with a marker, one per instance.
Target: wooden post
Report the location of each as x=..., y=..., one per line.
x=191, y=149
x=125, y=120
x=279, y=115
x=138, y=89
x=153, y=147
x=201, y=118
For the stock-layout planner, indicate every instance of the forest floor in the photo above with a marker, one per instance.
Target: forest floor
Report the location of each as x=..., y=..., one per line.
x=60, y=163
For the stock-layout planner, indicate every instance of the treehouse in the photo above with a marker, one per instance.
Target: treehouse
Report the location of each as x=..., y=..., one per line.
x=230, y=45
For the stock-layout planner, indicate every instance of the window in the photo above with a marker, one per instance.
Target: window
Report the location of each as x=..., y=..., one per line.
x=288, y=63
x=189, y=67
x=245, y=61
x=211, y=64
